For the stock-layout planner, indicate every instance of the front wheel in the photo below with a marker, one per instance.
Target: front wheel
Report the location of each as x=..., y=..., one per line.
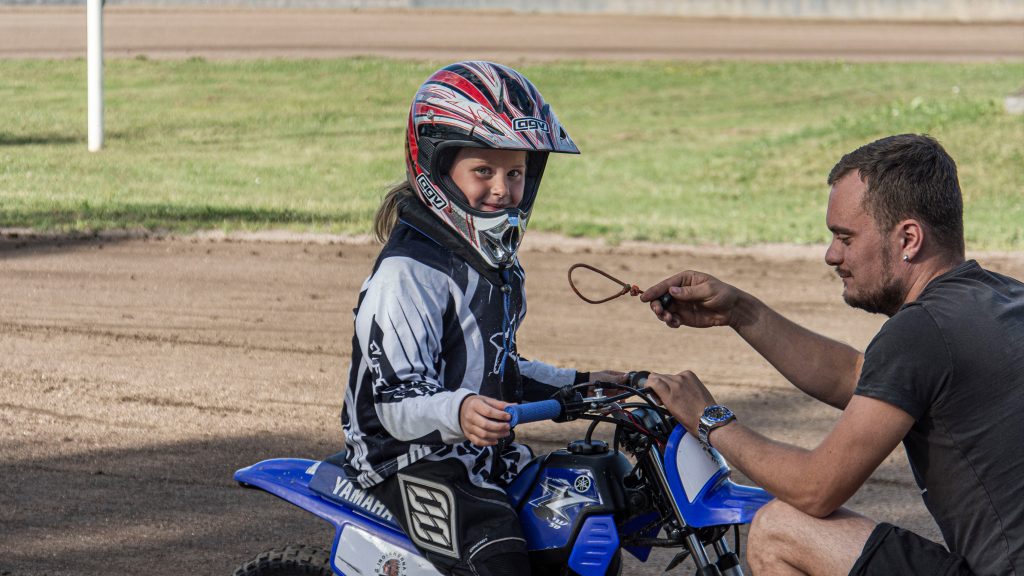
x=294, y=560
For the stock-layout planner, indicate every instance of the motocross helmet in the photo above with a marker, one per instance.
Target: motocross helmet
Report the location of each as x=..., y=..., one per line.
x=483, y=105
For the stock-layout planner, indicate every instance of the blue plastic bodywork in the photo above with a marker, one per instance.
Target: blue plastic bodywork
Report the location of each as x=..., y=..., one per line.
x=288, y=479
x=553, y=507
x=720, y=502
x=551, y=502
x=331, y=482
x=595, y=546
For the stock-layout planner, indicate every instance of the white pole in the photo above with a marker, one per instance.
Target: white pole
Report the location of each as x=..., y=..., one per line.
x=94, y=23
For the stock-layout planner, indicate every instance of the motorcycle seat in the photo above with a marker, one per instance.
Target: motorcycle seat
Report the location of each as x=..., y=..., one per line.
x=332, y=483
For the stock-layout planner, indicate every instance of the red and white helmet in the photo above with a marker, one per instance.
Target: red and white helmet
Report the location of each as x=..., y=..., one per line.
x=483, y=105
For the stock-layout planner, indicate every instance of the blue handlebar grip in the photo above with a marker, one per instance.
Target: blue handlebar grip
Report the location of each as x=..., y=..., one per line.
x=533, y=411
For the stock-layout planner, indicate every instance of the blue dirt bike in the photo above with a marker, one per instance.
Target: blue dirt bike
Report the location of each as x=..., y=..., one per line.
x=579, y=507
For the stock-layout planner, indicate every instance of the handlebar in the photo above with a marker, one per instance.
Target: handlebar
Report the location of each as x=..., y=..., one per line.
x=569, y=403
x=533, y=411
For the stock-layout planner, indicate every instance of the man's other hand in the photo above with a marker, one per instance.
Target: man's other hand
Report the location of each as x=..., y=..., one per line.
x=684, y=395
x=699, y=300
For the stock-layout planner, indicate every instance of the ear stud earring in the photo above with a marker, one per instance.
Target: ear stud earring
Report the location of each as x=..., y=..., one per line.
x=906, y=258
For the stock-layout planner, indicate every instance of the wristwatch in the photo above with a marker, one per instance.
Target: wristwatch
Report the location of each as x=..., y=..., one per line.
x=715, y=416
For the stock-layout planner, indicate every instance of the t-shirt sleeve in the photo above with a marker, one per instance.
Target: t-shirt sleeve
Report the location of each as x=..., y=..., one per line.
x=907, y=362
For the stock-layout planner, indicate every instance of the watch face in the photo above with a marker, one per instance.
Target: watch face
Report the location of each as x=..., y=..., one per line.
x=717, y=413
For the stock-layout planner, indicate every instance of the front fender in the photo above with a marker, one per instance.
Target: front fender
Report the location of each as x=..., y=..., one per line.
x=700, y=484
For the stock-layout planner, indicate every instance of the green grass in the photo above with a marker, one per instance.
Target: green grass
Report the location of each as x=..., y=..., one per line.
x=722, y=152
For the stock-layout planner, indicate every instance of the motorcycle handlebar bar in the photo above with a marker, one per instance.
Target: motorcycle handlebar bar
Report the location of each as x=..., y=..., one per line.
x=551, y=409
x=533, y=411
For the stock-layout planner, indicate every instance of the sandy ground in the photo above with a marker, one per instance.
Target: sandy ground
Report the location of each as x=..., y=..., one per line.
x=136, y=375
x=223, y=33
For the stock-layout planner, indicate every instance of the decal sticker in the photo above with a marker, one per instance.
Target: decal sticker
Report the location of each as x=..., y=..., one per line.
x=529, y=123
x=428, y=190
x=430, y=512
x=391, y=564
x=697, y=465
x=582, y=483
x=557, y=500
x=359, y=498
x=357, y=551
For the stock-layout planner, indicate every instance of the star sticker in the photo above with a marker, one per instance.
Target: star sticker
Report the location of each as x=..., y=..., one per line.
x=558, y=496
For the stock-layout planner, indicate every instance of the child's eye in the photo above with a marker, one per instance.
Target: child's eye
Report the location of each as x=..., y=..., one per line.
x=515, y=173
x=483, y=171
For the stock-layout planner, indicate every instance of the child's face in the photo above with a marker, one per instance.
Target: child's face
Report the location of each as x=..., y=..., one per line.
x=490, y=179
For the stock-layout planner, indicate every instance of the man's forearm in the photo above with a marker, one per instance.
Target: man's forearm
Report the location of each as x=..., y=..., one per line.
x=788, y=472
x=823, y=368
x=818, y=481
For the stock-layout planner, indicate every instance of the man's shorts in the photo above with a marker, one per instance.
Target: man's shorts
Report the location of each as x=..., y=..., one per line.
x=459, y=526
x=891, y=550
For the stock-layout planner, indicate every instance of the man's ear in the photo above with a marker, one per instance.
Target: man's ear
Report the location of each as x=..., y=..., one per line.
x=911, y=235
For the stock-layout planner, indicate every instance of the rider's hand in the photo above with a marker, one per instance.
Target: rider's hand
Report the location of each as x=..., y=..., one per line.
x=613, y=376
x=699, y=300
x=484, y=420
x=684, y=395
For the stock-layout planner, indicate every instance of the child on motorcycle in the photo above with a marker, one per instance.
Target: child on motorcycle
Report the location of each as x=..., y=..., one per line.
x=434, y=358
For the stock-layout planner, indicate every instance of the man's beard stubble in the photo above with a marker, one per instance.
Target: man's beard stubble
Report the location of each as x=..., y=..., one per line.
x=889, y=296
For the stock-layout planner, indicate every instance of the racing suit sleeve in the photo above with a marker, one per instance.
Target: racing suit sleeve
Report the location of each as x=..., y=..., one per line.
x=541, y=380
x=399, y=327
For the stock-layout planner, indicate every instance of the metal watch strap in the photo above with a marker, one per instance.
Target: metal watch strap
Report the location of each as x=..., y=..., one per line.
x=703, y=431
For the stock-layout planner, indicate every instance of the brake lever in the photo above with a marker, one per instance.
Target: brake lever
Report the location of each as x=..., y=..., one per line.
x=573, y=404
x=609, y=408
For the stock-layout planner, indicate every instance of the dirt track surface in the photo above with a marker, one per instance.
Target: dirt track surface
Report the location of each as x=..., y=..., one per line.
x=223, y=33
x=137, y=375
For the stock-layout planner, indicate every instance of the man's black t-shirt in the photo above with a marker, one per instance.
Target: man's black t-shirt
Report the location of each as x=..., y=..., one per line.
x=954, y=360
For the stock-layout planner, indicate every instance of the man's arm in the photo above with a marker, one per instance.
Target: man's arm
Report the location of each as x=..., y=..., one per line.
x=821, y=367
x=816, y=482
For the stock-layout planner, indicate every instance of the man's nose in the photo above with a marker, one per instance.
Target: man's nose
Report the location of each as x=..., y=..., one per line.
x=833, y=255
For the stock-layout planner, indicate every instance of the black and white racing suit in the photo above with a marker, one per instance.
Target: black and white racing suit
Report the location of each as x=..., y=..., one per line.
x=430, y=330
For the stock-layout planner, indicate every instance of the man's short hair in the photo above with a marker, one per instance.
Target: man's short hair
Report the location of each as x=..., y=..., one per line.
x=909, y=176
